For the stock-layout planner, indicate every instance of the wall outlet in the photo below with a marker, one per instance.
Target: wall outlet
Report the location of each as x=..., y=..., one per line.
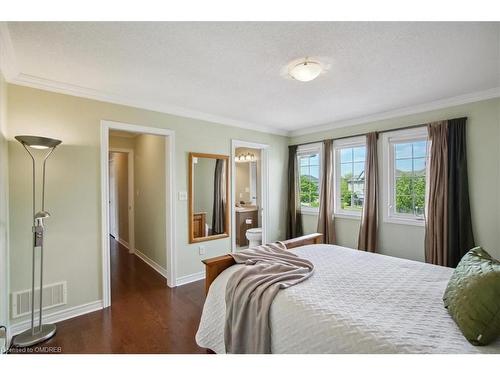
x=202, y=250
x=183, y=196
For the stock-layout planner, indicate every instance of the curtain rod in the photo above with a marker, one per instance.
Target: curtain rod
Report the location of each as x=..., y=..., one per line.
x=378, y=132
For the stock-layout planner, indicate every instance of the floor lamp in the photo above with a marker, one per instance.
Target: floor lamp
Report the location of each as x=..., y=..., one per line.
x=42, y=332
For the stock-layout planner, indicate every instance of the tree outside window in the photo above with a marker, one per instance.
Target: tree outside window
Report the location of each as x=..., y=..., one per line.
x=410, y=170
x=309, y=165
x=352, y=178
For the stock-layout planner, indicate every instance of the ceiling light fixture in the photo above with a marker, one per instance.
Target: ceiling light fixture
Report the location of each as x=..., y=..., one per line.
x=244, y=157
x=306, y=70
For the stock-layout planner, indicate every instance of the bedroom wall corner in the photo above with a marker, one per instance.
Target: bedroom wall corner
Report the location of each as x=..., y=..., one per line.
x=498, y=158
x=4, y=207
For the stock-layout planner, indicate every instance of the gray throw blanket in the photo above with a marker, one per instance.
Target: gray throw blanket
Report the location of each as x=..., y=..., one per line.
x=250, y=292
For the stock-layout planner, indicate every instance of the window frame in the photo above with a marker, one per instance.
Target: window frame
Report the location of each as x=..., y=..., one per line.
x=304, y=150
x=389, y=214
x=337, y=146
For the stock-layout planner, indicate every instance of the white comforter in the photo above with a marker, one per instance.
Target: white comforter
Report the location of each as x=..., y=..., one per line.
x=355, y=302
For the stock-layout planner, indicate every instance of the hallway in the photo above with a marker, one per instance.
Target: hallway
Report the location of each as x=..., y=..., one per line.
x=146, y=316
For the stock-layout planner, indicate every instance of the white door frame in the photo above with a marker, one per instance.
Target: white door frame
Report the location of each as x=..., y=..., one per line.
x=264, y=187
x=106, y=126
x=131, y=204
x=112, y=206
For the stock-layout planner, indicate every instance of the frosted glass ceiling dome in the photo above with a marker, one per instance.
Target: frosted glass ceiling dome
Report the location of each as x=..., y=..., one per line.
x=306, y=70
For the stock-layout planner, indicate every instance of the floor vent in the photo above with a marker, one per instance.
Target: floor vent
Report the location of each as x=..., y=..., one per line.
x=53, y=295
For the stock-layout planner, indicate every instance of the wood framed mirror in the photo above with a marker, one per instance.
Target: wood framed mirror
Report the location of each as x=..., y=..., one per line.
x=208, y=197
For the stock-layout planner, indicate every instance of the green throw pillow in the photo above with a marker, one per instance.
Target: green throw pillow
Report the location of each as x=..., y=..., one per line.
x=472, y=297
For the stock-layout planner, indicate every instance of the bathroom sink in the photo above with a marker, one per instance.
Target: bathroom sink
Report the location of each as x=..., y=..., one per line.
x=246, y=209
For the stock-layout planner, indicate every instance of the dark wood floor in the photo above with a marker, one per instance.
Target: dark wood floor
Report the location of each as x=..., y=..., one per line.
x=146, y=316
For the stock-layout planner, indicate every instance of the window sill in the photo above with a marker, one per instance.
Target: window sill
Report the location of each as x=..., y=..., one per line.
x=403, y=221
x=309, y=211
x=342, y=215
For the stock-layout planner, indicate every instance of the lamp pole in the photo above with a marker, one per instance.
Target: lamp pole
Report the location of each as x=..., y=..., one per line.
x=42, y=332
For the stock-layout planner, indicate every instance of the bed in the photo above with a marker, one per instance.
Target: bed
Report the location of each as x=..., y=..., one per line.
x=355, y=302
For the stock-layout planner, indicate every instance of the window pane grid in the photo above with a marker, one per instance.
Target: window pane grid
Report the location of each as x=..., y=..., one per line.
x=352, y=178
x=309, y=179
x=409, y=177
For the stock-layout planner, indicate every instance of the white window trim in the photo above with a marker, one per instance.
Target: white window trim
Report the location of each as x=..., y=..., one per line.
x=388, y=214
x=313, y=148
x=337, y=146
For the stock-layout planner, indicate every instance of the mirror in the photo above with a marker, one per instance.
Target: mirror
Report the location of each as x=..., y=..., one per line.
x=208, y=197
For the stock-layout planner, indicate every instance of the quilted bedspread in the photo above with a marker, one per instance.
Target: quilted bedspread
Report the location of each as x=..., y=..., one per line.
x=355, y=302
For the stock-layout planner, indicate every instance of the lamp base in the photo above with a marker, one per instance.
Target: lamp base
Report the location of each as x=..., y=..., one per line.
x=26, y=338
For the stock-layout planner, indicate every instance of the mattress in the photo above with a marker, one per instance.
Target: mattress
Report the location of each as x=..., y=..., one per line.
x=355, y=302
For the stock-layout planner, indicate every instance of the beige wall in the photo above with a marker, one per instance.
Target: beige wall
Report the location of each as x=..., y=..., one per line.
x=73, y=186
x=484, y=180
x=242, y=192
x=120, y=160
x=150, y=197
x=121, y=142
x=4, y=217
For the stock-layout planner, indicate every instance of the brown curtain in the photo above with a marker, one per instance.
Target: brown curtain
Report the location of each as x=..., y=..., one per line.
x=460, y=235
x=367, y=239
x=219, y=207
x=436, y=224
x=325, y=219
x=294, y=217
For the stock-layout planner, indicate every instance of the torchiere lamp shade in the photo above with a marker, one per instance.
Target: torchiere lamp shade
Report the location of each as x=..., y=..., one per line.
x=37, y=142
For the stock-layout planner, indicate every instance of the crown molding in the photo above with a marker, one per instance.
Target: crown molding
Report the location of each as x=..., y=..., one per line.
x=84, y=92
x=411, y=110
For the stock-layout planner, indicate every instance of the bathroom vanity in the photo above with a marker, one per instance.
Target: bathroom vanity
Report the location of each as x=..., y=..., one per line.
x=246, y=218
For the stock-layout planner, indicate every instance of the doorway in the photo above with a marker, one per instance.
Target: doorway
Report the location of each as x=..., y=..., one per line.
x=249, y=197
x=161, y=194
x=121, y=191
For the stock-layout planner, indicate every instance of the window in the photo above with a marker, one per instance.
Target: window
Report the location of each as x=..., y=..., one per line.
x=350, y=157
x=406, y=153
x=309, y=162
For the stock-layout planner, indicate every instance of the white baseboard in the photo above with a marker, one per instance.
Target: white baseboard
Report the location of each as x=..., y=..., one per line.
x=190, y=278
x=150, y=262
x=162, y=271
x=124, y=243
x=58, y=316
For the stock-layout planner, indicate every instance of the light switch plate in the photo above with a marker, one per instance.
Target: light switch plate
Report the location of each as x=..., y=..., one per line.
x=183, y=196
x=202, y=250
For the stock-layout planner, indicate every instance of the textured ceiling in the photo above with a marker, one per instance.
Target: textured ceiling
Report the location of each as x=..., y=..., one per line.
x=233, y=70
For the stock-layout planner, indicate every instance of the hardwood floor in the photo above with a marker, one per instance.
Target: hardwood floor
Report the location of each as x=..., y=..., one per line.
x=146, y=316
